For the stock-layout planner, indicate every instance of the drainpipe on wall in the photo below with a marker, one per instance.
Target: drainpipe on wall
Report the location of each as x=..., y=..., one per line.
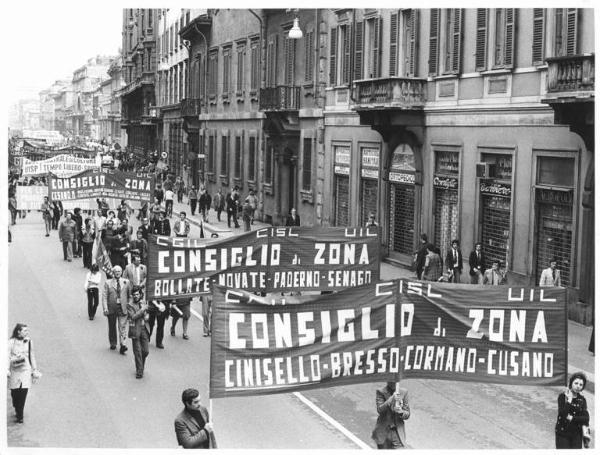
x=203, y=95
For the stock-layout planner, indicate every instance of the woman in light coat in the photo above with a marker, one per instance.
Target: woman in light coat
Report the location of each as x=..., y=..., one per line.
x=22, y=367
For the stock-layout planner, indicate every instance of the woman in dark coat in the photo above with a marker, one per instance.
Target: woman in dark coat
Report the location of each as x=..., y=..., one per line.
x=572, y=414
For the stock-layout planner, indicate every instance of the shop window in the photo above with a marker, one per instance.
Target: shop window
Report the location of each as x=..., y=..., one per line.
x=556, y=171
x=342, y=197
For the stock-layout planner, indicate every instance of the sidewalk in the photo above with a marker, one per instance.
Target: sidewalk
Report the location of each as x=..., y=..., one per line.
x=579, y=358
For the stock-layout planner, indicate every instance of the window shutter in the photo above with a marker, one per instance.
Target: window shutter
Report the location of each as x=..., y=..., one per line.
x=457, y=40
x=308, y=57
x=414, y=32
x=509, y=48
x=346, y=62
x=572, y=31
x=434, y=30
x=393, y=43
x=358, y=51
x=537, y=49
x=481, y=39
x=377, y=48
x=332, y=57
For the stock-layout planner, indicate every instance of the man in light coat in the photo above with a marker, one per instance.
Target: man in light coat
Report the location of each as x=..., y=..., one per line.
x=67, y=230
x=117, y=292
x=551, y=275
x=136, y=272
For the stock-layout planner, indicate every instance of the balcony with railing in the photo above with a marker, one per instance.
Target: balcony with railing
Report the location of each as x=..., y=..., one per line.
x=191, y=107
x=280, y=98
x=571, y=76
x=390, y=92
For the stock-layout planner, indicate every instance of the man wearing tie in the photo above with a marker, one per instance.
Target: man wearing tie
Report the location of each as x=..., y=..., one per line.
x=454, y=262
x=114, y=304
x=494, y=276
x=136, y=272
x=551, y=275
x=476, y=264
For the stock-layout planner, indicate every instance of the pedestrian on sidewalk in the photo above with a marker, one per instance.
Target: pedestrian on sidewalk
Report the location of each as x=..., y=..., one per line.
x=494, y=276
x=571, y=428
x=192, y=425
x=162, y=226
x=246, y=215
x=551, y=275
x=46, y=210
x=193, y=198
x=454, y=262
x=205, y=200
x=180, y=187
x=159, y=193
x=293, y=218
x=182, y=226
x=169, y=197
x=432, y=269
x=392, y=409
x=219, y=203
x=92, y=289
x=139, y=330
x=253, y=201
x=183, y=305
x=158, y=312
x=477, y=264
x=371, y=221
x=66, y=233
x=419, y=256
x=117, y=292
x=22, y=367
x=231, y=204
x=87, y=242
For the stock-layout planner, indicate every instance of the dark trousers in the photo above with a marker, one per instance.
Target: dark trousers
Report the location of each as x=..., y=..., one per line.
x=193, y=203
x=232, y=213
x=68, y=250
x=169, y=207
x=76, y=247
x=13, y=216
x=140, y=350
x=569, y=441
x=87, y=254
x=219, y=214
x=455, y=275
x=55, y=221
x=92, y=296
x=179, y=196
x=160, y=319
x=18, y=400
x=206, y=311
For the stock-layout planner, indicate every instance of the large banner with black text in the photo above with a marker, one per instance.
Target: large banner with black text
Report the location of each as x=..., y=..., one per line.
x=388, y=331
x=277, y=259
x=109, y=183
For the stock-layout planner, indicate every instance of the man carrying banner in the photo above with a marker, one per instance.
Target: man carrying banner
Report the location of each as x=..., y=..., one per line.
x=192, y=426
x=182, y=226
x=393, y=410
x=114, y=303
x=139, y=330
x=180, y=309
x=66, y=233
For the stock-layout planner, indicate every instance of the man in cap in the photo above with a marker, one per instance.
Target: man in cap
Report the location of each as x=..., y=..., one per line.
x=116, y=294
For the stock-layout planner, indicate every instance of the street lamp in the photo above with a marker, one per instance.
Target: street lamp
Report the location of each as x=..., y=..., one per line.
x=295, y=31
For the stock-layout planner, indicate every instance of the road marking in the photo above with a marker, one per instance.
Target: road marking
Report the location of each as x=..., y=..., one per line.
x=338, y=426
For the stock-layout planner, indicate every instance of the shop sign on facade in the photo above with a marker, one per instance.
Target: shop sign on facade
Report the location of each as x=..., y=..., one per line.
x=554, y=197
x=495, y=188
x=370, y=163
x=446, y=183
x=342, y=160
x=400, y=177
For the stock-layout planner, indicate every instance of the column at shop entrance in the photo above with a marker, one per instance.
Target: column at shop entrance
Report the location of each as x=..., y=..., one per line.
x=342, y=196
x=402, y=216
x=554, y=232
x=369, y=183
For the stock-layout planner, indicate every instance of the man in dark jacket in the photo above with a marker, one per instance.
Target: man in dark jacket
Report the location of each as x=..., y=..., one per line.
x=77, y=247
x=393, y=410
x=454, y=261
x=162, y=226
x=192, y=426
x=204, y=204
x=231, y=201
x=420, y=255
x=293, y=219
x=477, y=264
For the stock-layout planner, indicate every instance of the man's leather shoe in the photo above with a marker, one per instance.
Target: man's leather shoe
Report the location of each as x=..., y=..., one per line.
x=122, y=350
x=113, y=347
x=160, y=346
x=185, y=337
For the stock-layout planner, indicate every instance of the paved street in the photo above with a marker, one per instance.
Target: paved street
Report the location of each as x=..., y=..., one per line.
x=89, y=396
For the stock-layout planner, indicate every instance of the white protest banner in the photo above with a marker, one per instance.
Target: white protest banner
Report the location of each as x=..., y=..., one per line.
x=30, y=197
x=60, y=165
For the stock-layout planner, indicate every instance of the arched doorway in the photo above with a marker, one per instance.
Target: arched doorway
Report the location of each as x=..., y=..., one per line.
x=403, y=196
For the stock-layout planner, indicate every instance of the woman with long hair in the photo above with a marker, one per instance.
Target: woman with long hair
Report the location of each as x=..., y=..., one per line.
x=573, y=415
x=91, y=286
x=22, y=367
